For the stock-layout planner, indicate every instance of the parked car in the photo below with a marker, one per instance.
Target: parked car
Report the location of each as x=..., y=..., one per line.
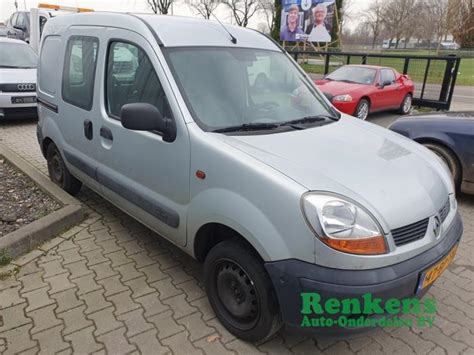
x=362, y=89
x=275, y=191
x=17, y=80
x=3, y=31
x=18, y=26
x=451, y=137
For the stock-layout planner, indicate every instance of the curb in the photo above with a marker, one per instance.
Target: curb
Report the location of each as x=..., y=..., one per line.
x=30, y=236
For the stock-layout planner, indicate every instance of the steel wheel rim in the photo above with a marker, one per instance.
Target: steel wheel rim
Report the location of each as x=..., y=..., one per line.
x=363, y=111
x=237, y=295
x=56, y=169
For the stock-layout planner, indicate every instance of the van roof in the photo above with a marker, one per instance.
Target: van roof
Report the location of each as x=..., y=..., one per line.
x=171, y=31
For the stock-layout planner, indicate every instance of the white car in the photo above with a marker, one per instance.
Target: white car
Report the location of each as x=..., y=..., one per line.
x=17, y=80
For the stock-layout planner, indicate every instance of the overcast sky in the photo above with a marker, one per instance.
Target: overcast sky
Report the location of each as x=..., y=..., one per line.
x=180, y=8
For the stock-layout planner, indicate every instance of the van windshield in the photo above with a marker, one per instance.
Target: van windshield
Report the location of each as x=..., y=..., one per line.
x=17, y=55
x=227, y=87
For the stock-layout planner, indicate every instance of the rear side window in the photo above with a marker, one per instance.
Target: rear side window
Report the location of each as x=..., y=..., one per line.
x=49, y=64
x=79, y=71
x=131, y=78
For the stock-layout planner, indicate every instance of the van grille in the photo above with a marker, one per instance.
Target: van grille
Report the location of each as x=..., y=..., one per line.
x=444, y=211
x=410, y=233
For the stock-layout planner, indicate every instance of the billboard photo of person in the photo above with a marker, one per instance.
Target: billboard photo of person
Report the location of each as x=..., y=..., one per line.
x=317, y=31
x=291, y=31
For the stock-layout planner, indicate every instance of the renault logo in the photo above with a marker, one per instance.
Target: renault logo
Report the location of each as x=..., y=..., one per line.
x=437, y=226
x=26, y=87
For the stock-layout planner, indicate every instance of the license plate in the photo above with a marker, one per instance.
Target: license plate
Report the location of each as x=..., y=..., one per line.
x=429, y=276
x=23, y=99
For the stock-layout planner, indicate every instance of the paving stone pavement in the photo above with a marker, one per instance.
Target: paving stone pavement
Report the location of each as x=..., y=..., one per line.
x=110, y=285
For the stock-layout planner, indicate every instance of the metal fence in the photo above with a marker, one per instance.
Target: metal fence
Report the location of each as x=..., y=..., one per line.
x=434, y=76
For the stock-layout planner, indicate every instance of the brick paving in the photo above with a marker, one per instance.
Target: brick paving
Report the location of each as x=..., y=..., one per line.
x=110, y=285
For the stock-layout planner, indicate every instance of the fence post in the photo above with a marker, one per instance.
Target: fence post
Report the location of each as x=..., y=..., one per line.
x=448, y=74
x=348, y=59
x=364, y=59
x=326, y=64
x=295, y=56
x=405, y=67
x=425, y=78
x=453, y=82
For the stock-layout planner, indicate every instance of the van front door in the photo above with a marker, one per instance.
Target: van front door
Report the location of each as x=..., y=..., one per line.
x=139, y=171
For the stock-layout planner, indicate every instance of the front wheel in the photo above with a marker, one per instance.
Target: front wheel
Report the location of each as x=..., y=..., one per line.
x=362, y=109
x=240, y=292
x=405, y=107
x=449, y=159
x=58, y=172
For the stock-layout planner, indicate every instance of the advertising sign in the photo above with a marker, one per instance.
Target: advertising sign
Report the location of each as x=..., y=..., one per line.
x=306, y=20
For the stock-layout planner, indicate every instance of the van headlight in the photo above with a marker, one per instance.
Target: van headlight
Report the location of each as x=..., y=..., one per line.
x=343, y=225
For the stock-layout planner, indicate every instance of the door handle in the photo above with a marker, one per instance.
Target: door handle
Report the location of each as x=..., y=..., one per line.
x=88, y=132
x=106, y=133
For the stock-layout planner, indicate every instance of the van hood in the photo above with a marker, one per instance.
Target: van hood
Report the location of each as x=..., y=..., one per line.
x=17, y=76
x=398, y=180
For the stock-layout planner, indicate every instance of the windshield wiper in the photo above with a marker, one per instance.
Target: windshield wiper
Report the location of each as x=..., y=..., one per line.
x=247, y=127
x=310, y=119
x=9, y=66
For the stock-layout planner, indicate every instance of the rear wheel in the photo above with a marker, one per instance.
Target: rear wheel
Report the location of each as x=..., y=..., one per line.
x=362, y=109
x=405, y=107
x=240, y=291
x=449, y=159
x=58, y=172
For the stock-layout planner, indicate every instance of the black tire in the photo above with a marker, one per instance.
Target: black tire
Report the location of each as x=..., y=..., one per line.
x=362, y=110
x=405, y=107
x=240, y=292
x=58, y=172
x=450, y=159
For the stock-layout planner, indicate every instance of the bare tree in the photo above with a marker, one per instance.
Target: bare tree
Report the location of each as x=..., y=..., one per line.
x=204, y=8
x=374, y=19
x=461, y=21
x=348, y=14
x=436, y=19
x=269, y=12
x=160, y=6
x=242, y=10
x=396, y=14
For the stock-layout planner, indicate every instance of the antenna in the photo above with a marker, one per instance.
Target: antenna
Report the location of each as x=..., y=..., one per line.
x=232, y=38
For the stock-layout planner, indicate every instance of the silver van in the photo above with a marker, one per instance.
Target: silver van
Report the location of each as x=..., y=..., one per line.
x=215, y=138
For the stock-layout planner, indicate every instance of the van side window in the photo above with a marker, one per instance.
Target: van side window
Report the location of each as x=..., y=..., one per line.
x=49, y=64
x=79, y=71
x=131, y=79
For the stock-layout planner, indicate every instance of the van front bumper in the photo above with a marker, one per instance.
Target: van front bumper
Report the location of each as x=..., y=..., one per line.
x=293, y=277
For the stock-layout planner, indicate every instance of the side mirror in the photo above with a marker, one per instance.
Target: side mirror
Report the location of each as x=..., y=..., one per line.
x=146, y=117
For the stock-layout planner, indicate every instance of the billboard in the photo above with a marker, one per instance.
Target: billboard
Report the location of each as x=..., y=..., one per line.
x=307, y=20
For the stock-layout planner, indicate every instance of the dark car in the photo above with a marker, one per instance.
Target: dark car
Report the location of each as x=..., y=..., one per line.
x=450, y=136
x=18, y=26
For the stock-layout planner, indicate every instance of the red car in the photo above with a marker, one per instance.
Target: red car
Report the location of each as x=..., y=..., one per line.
x=361, y=89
